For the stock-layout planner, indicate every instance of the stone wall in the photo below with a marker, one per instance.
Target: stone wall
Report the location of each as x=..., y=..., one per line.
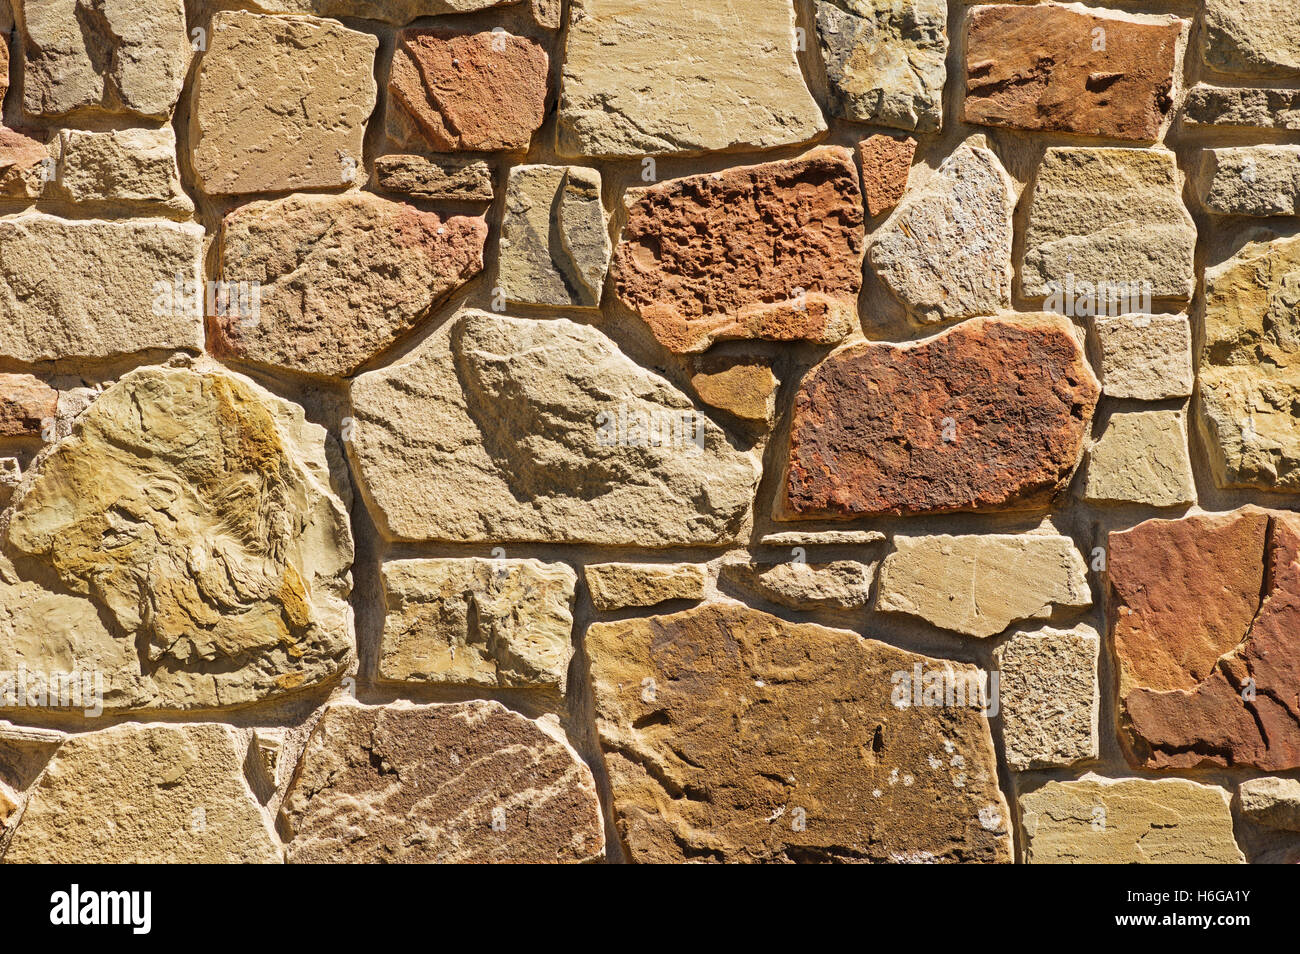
x=774, y=430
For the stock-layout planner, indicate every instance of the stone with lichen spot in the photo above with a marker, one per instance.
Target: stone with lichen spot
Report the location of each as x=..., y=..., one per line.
x=26, y=404
x=886, y=165
x=615, y=586
x=1261, y=181
x=436, y=177
x=1146, y=357
x=838, y=585
x=1141, y=458
x=1255, y=38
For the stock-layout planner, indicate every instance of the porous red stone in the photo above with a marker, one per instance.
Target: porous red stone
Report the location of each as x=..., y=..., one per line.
x=990, y=415
x=886, y=166
x=1052, y=68
x=25, y=402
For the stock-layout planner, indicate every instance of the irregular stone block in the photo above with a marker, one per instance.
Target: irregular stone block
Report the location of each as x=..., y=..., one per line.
x=621, y=97
x=261, y=121
x=202, y=559
x=26, y=403
x=725, y=731
x=11, y=475
x=781, y=260
x=458, y=92
x=615, y=586
x=554, y=239
x=26, y=165
x=466, y=783
x=742, y=386
x=1261, y=37
x=990, y=415
x=505, y=429
x=1141, y=458
x=1244, y=107
x=144, y=794
x=1052, y=68
x=338, y=278
x=1146, y=357
x=815, y=538
x=1273, y=802
x=885, y=60
x=115, y=290
x=979, y=585
x=946, y=253
x=134, y=167
x=886, y=165
x=478, y=622
x=1130, y=821
x=6, y=25
x=839, y=585
x=1250, y=180
x=436, y=177
x=1048, y=696
x=388, y=11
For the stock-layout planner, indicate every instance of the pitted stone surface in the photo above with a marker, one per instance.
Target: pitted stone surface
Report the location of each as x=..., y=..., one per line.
x=886, y=165
x=1260, y=37
x=133, y=167
x=1141, y=458
x=1258, y=108
x=26, y=404
x=1250, y=180
x=1146, y=357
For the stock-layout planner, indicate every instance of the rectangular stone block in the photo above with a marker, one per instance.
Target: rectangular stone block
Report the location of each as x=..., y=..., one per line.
x=1259, y=181
x=1048, y=696
x=1146, y=357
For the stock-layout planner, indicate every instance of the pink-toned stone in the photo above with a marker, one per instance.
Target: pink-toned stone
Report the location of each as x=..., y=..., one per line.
x=25, y=403
x=21, y=159
x=886, y=166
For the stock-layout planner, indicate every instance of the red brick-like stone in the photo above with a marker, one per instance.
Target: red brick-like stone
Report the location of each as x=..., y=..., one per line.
x=479, y=92
x=25, y=402
x=990, y=415
x=1039, y=68
x=772, y=251
x=886, y=167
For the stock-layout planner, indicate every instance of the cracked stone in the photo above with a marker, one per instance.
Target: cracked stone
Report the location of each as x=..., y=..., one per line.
x=616, y=586
x=1250, y=180
x=1141, y=458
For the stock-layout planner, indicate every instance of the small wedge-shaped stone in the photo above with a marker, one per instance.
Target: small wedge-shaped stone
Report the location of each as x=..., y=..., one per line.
x=1252, y=38
x=615, y=586
x=465, y=783
x=1141, y=458
x=133, y=167
x=1146, y=357
x=1244, y=107
x=1250, y=180
x=1274, y=802
x=840, y=585
x=886, y=166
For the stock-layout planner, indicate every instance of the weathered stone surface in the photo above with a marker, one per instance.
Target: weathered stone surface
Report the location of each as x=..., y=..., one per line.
x=26, y=402
x=781, y=260
x=1259, y=37
x=615, y=586
x=886, y=166
x=1250, y=180
x=622, y=97
x=1274, y=802
x=477, y=622
x=1131, y=821
x=1111, y=217
x=979, y=585
x=1146, y=357
x=885, y=60
x=1041, y=68
x=95, y=57
x=1250, y=367
x=725, y=732
x=1221, y=687
x=1048, y=696
x=946, y=253
x=1141, y=458
x=144, y=794
x=475, y=92
x=814, y=538
x=201, y=557
x=840, y=585
x=107, y=298
x=436, y=177
x=6, y=25
x=465, y=783
x=25, y=165
x=11, y=475
x=135, y=167
x=388, y=11
x=1245, y=107
x=554, y=239
x=990, y=415
x=742, y=386
x=504, y=429
x=340, y=277
x=280, y=104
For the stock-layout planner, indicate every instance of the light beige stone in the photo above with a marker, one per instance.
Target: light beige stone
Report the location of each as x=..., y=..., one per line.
x=621, y=96
x=615, y=586
x=1141, y=458
x=1048, y=696
x=114, y=293
x=477, y=622
x=841, y=584
x=280, y=104
x=1273, y=802
x=979, y=585
x=1261, y=181
x=436, y=177
x=145, y=794
x=1252, y=37
x=133, y=167
x=1146, y=357
x=1132, y=821
x=399, y=12
x=813, y=538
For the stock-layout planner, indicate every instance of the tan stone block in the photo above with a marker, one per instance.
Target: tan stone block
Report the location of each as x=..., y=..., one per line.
x=838, y=585
x=131, y=167
x=1260, y=181
x=1146, y=357
x=615, y=586
x=1141, y=458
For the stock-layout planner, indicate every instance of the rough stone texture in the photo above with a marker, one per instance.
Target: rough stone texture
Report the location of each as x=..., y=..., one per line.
x=478, y=92
x=990, y=415
x=885, y=60
x=1049, y=697
x=839, y=585
x=26, y=403
x=106, y=300
x=387, y=11
x=781, y=260
x=504, y=440
x=184, y=542
x=743, y=386
x=1039, y=68
x=1244, y=107
x=979, y=585
x=95, y=57
x=621, y=96
x=815, y=538
x=145, y=794
x=725, y=733
x=1259, y=37
x=946, y=252
x=465, y=783
x=436, y=177
x=5, y=27
x=1250, y=180
x=886, y=165
x=554, y=239
x=1132, y=821
x=1274, y=802
x=341, y=277
x=133, y=167
x=477, y=622
x=1146, y=357
x=280, y=104
x=1250, y=367
x=24, y=165
x=1140, y=234
x=1141, y=458
x=615, y=586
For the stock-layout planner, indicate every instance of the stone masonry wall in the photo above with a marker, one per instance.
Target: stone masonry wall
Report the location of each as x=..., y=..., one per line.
x=650, y=431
